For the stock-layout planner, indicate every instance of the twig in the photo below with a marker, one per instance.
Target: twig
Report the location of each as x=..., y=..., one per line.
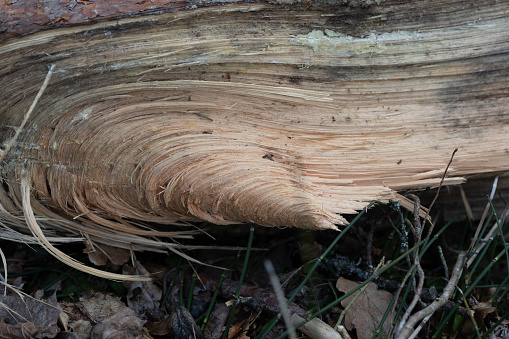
x=438, y=192
x=315, y=328
x=418, y=292
x=417, y=227
x=489, y=235
x=343, y=332
x=485, y=213
x=280, y=298
x=407, y=328
x=400, y=289
x=419, y=328
x=417, y=231
x=28, y=113
x=444, y=263
x=468, y=209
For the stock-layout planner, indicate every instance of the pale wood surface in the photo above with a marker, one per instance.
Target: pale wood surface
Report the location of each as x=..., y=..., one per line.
x=282, y=116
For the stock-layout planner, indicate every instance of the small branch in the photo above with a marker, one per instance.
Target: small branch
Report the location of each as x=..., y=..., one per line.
x=485, y=213
x=417, y=231
x=315, y=328
x=419, y=328
x=280, y=298
x=407, y=328
x=438, y=192
x=417, y=220
x=444, y=263
x=29, y=112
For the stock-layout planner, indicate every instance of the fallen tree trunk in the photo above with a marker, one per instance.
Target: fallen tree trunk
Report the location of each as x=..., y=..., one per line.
x=261, y=112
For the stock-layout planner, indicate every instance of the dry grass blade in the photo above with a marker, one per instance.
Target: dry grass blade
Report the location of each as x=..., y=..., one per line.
x=4, y=276
x=39, y=235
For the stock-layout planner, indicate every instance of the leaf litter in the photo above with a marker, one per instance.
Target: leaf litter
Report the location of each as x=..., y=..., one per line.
x=368, y=310
x=171, y=306
x=28, y=317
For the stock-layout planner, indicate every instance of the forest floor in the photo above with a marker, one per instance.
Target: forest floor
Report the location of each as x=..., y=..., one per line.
x=384, y=275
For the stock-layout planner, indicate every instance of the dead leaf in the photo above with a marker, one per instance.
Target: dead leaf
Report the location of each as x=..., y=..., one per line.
x=367, y=312
x=216, y=322
x=114, y=319
x=183, y=325
x=142, y=296
x=482, y=311
x=117, y=256
x=160, y=325
x=100, y=254
x=78, y=321
x=83, y=328
x=29, y=317
x=95, y=256
x=99, y=306
x=122, y=325
x=20, y=330
x=63, y=319
x=239, y=330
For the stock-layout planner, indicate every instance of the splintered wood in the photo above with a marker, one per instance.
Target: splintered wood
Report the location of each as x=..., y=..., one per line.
x=258, y=113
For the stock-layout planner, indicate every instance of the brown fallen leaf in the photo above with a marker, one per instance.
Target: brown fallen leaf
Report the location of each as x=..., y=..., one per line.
x=482, y=311
x=143, y=297
x=29, y=317
x=19, y=330
x=160, y=324
x=100, y=254
x=100, y=306
x=367, y=312
x=239, y=330
x=122, y=325
x=183, y=325
x=83, y=328
x=217, y=320
x=112, y=317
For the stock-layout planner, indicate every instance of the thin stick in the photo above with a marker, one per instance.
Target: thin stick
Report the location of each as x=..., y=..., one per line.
x=481, y=222
x=417, y=232
x=280, y=298
x=438, y=192
x=408, y=327
x=315, y=328
x=28, y=113
x=468, y=209
x=444, y=263
x=419, y=328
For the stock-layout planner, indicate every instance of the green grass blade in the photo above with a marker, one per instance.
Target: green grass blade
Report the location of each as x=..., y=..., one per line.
x=239, y=285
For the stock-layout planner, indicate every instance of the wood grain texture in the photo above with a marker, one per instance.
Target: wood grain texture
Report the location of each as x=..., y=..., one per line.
x=281, y=115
